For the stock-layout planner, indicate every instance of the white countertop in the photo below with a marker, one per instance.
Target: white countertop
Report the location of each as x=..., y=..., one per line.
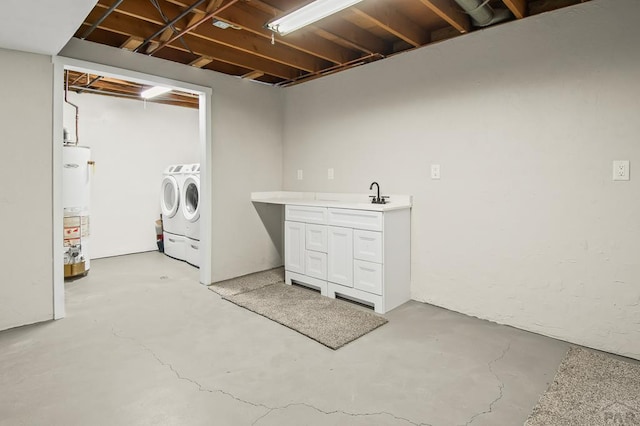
x=334, y=200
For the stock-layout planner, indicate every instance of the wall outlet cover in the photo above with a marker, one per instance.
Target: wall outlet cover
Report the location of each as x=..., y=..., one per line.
x=621, y=170
x=435, y=171
x=330, y=175
x=300, y=175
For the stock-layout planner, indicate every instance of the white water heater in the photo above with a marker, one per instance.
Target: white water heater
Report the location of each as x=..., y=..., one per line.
x=77, y=168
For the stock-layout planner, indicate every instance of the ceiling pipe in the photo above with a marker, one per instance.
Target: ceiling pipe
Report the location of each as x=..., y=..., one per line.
x=482, y=14
x=194, y=25
x=169, y=24
x=102, y=18
x=66, y=91
x=89, y=84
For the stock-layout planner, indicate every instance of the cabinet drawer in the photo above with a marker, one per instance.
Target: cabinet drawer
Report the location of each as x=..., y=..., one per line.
x=306, y=214
x=316, y=238
x=359, y=219
x=315, y=264
x=367, y=276
x=367, y=245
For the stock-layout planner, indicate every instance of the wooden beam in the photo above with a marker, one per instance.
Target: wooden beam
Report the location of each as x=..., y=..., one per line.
x=240, y=40
x=198, y=15
x=387, y=17
x=340, y=31
x=352, y=35
x=451, y=13
x=253, y=20
x=251, y=17
x=253, y=75
x=132, y=42
x=123, y=24
x=201, y=61
x=517, y=7
x=166, y=35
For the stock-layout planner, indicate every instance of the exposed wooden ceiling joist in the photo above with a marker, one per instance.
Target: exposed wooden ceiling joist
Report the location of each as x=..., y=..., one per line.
x=387, y=16
x=201, y=61
x=242, y=40
x=517, y=7
x=449, y=11
x=101, y=85
x=369, y=31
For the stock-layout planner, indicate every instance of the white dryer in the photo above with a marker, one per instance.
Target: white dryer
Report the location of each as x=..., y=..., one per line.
x=172, y=217
x=190, y=204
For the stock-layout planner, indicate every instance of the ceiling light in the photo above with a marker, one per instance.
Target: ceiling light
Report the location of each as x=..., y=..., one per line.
x=220, y=24
x=154, y=91
x=308, y=14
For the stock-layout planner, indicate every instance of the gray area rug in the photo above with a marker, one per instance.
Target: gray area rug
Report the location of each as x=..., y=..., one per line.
x=334, y=323
x=248, y=282
x=590, y=389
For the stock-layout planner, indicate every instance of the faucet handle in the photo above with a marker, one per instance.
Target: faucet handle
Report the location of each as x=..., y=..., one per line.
x=373, y=199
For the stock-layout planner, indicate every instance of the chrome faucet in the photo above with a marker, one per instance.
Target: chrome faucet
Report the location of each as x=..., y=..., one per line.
x=377, y=199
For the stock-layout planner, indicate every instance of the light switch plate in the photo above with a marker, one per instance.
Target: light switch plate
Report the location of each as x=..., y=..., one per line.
x=330, y=174
x=621, y=170
x=435, y=171
x=300, y=174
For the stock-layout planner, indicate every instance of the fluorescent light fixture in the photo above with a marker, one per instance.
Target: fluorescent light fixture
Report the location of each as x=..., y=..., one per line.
x=154, y=91
x=308, y=14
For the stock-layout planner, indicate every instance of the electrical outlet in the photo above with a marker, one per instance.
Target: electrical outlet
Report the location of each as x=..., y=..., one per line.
x=435, y=171
x=621, y=170
x=330, y=174
x=300, y=175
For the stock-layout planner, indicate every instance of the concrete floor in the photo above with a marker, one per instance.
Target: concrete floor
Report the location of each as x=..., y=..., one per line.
x=144, y=344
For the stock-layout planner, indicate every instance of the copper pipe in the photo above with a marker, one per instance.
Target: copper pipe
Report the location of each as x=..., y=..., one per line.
x=66, y=91
x=194, y=25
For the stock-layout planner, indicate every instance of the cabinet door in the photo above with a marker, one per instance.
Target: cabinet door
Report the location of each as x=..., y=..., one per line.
x=294, y=246
x=316, y=264
x=340, y=256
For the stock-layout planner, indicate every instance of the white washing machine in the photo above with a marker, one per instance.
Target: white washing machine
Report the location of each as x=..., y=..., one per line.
x=190, y=205
x=173, y=221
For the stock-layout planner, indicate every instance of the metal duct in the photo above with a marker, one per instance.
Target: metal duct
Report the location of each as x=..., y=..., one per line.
x=482, y=14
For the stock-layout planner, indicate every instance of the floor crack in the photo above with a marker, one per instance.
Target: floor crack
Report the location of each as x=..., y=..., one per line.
x=259, y=405
x=346, y=413
x=187, y=379
x=500, y=387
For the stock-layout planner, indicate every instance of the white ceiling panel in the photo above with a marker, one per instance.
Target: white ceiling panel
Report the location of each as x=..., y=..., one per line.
x=41, y=26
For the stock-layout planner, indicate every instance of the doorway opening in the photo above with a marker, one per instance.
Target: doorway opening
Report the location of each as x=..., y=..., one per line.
x=84, y=76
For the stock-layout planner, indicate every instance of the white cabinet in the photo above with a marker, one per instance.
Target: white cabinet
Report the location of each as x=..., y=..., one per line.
x=358, y=254
x=294, y=247
x=340, y=253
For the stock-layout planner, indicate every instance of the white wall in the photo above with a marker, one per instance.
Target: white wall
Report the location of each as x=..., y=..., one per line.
x=526, y=226
x=26, y=292
x=131, y=144
x=247, y=153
